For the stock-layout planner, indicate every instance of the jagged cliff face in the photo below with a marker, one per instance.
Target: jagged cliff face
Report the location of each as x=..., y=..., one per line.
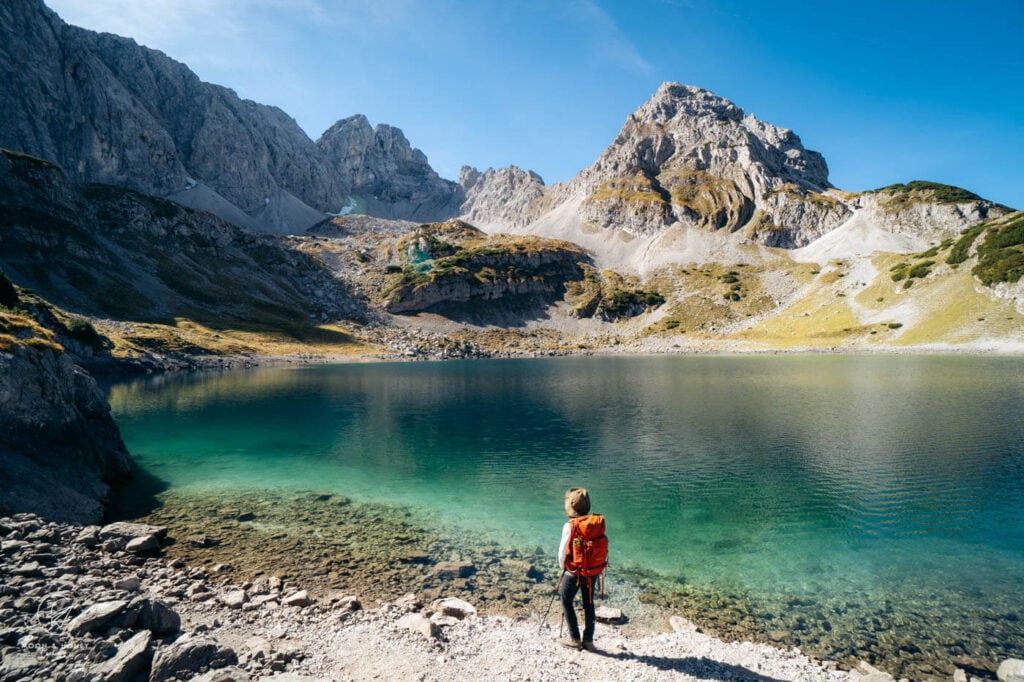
x=508, y=197
x=390, y=177
x=108, y=110
x=59, y=449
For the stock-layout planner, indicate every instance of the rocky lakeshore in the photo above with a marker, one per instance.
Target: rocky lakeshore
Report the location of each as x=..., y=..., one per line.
x=106, y=603
x=131, y=601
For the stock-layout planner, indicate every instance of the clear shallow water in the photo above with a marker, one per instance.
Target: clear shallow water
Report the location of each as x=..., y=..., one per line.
x=853, y=485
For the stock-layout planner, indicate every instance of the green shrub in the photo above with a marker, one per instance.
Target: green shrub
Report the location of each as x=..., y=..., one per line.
x=958, y=254
x=81, y=330
x=1001, y=255
x=945, y=194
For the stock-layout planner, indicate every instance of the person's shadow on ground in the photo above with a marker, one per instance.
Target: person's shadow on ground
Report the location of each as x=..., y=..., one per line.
x=703, y=668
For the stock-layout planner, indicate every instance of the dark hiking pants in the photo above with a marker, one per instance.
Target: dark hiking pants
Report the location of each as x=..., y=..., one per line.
x=567, y=591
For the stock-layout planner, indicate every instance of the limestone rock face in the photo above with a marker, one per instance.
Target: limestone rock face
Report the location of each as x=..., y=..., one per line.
x=507, y=197
x=109, y=110
x=393, y=179
x=917, y=213
x=59, y=447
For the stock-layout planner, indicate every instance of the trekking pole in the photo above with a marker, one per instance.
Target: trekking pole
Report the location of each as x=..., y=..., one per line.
x=550, y=604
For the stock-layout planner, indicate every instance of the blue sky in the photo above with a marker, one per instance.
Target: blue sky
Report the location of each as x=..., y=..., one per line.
x=888, y=91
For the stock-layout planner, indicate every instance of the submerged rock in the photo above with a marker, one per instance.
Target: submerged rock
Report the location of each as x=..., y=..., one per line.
x=1011, y=670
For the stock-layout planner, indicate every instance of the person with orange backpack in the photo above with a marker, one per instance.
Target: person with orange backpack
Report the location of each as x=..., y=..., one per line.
x=583, y=556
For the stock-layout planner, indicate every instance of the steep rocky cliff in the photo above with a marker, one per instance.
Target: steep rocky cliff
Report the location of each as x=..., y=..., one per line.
x=108, y=110
x=59, y=447
x=504, y=198
x=385, y=173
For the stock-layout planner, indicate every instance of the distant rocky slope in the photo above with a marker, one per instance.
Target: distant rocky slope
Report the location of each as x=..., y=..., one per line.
x=59, y=447
x=688, y=160
x=108, y=110
x=389, y=177
x=114, y=253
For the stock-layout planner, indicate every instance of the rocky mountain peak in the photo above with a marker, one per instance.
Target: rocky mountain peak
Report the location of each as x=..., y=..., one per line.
x=387, y=174
x=501, y=199
x=675, y=100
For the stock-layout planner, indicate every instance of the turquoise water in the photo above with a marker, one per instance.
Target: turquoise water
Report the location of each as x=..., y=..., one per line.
x=858, y=485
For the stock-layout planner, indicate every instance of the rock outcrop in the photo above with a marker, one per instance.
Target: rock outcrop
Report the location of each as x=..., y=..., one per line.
x=59, y=447
x=453, y=263
x=389, y=176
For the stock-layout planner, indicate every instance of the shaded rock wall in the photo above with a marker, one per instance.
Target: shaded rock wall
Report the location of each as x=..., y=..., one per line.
x=59, y=447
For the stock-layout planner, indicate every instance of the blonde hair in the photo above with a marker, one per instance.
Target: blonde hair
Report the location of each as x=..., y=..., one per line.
x=578, y=500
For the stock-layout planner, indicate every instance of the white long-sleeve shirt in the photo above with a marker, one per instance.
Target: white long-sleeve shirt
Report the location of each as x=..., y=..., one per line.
x=563, y=546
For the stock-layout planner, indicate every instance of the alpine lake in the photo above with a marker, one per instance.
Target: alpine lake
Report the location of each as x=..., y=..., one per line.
x=859, y=507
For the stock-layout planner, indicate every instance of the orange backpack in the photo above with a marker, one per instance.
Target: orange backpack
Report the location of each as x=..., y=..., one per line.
x=587, y=555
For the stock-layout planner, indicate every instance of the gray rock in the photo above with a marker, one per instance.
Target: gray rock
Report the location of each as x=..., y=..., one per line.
x=1011, y=670
x=19, y=666
x=156, y=616
x=300, y=599
x=448, y=570
x=409, y=602
x=680, y=624
x=123, y=530
x=348, y=603
x=233, y=599
x=96, y=616
x=417, y=622
x=142, y=545
x=443, y=621
x=229, y=674
x=88, y=536
x=190, y=655
x=129, y=584
x=132, y=659
x=607, y=614
x=865, y=672
x=456, y=608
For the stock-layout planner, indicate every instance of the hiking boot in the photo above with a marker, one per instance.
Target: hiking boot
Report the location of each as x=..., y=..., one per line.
x=570, y=643
x=589, y=646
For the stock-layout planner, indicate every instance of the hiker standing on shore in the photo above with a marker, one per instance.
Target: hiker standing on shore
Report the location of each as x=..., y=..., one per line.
x=582, y=555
